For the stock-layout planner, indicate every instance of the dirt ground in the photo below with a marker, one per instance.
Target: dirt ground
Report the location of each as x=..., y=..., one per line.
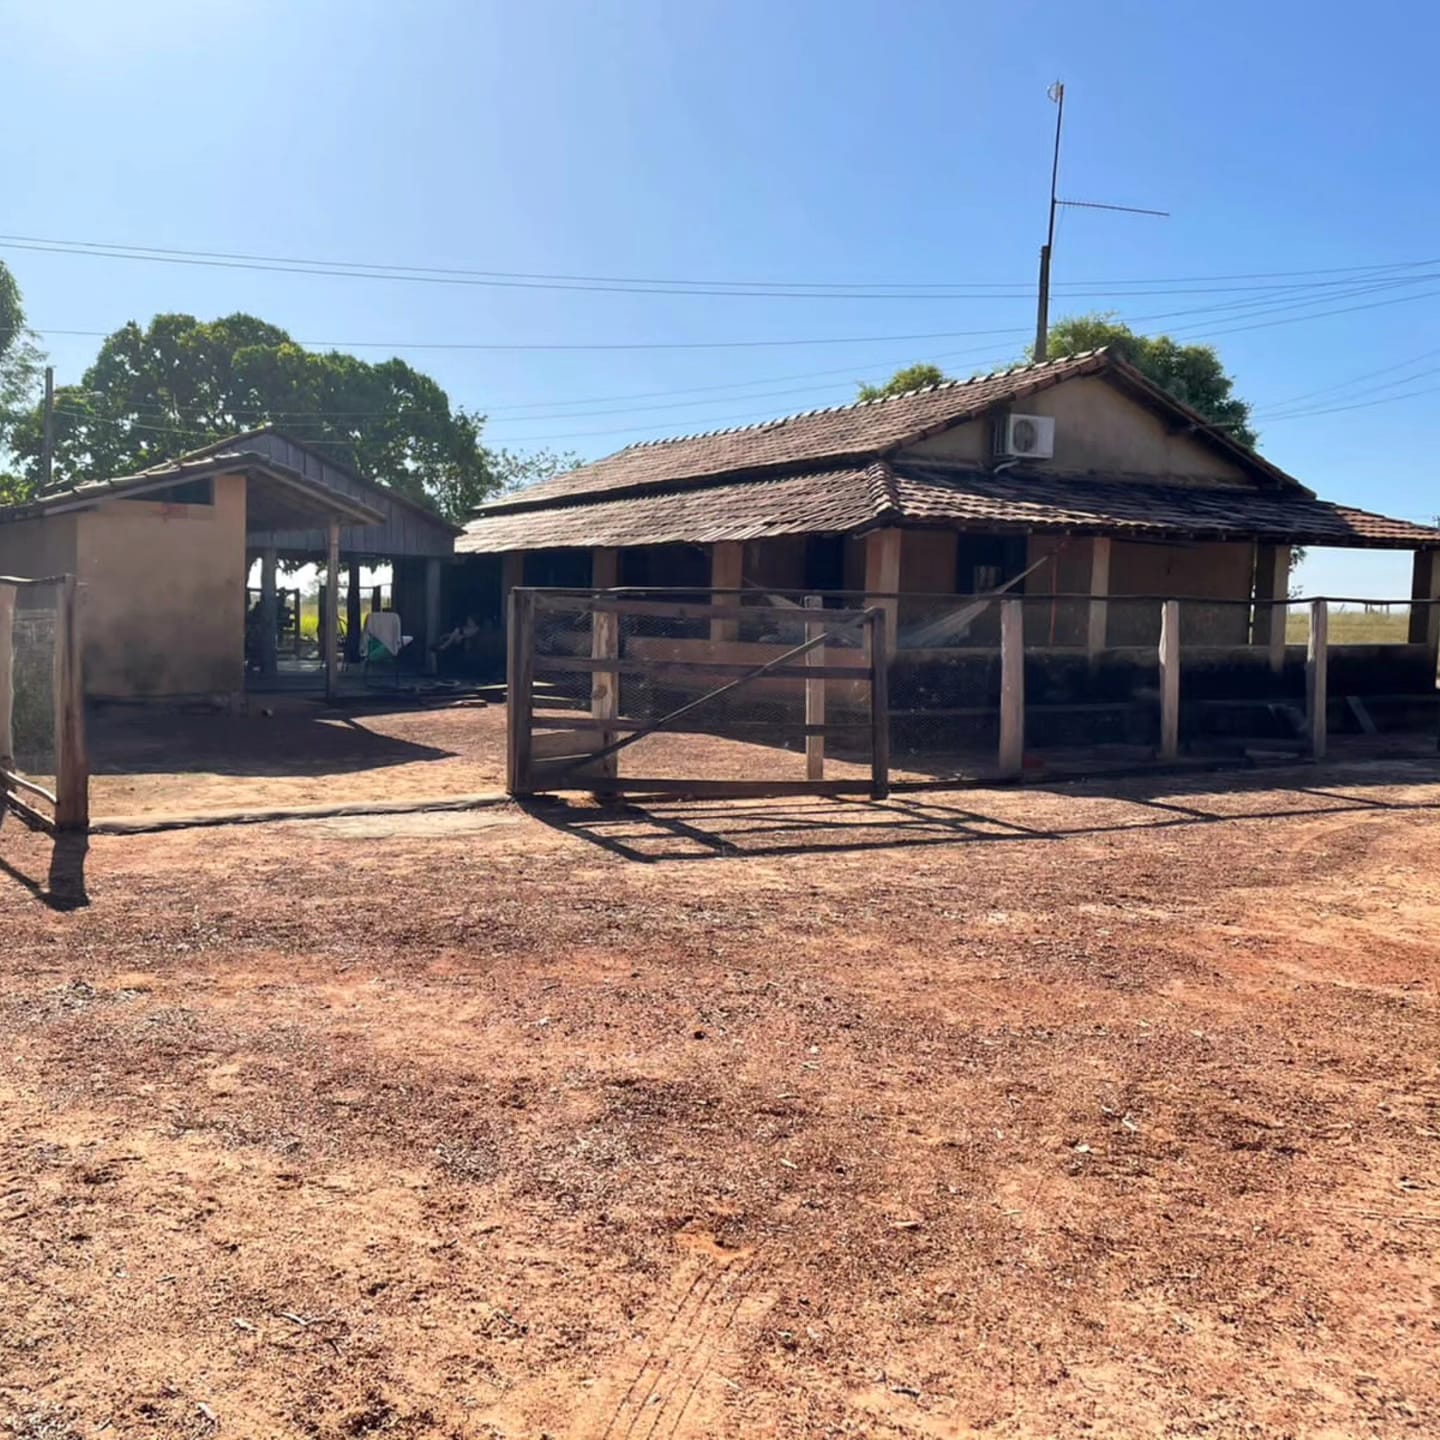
x=1093, y=1111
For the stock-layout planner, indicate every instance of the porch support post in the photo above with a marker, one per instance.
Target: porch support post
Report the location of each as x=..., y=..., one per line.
x=1012, y=687
x=1271, y=589
x=352, y=612
x=604, y=568
x=432, y=614
x=882, y=580
x=1170, y=680
x=727, y=572
x=269, y=609
x=1317, y=671
x=1098, y=620
x=330, y=630
x=1425, y=619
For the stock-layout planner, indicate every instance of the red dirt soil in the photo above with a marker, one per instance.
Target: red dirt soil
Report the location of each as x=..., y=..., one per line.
x=1101, y=1112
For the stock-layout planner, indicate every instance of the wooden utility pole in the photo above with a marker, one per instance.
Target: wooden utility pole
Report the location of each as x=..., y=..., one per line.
x=1042, y=309
x=47, y=442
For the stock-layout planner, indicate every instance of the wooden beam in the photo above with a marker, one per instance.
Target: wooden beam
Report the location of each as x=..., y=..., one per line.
x=879, y=708
x=882, y=580
x=605, y=684
x=814, y=697
x=680, y=669
x=1097, y=621
x=1271, y=589
x=520, y=692
x=727, y=572
x=72, y=760
x=512, y=575
x=269, y=609
x=687, y=610
x=1425, y=586
x=1170, y=680
x=1317, y=663
x=7, y=687
x=330, y=631
x=604, y=568
x=1012, y=687
x=563, y=777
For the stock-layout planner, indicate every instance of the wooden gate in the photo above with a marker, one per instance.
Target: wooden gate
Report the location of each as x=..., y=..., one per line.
x=595, y=675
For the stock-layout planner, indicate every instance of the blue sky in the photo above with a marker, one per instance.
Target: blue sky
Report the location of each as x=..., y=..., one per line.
x=838, y=143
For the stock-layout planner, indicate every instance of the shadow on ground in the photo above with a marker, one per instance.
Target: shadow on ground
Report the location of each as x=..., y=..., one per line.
x=659, y=830
x=295, y=740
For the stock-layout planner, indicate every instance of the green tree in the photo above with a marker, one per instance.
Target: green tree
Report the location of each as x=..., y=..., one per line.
x=516, y=472
x=912, y=377
x=20, y=364
x=181, y=383
x=1191, y=373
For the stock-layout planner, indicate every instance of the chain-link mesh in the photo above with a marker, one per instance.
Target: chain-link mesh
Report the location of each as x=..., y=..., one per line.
x=1094, y=674
x=605, y=668
x=33, y=672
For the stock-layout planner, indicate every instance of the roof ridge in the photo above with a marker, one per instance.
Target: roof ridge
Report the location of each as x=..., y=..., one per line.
x=979, y=378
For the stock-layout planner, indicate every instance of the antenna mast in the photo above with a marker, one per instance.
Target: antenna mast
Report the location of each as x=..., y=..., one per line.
x=1042, y=309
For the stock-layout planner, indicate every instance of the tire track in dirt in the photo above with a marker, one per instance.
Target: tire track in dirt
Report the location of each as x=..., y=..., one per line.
x=679, y=1352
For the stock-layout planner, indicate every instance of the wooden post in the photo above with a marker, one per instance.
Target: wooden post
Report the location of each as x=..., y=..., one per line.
x=432, y=614
x=604, y=568
x=879, y=706
x=330, y=630
x=512, y=574
x=519, y=694
x=269, y=609
x=1425, y=618
x=1098, y=620
x=1012, y=687
x=352, y=612
x=72, y=762
x=1317, y=664
x=7, y=688
x=1170, y=680
x=605, y=684
x=1271, y=590
x=727, y=572
x=815, y=694
x=882, y=579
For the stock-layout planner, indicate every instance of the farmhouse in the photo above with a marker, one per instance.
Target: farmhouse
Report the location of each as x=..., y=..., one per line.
x=1073, y=478
x=162, y=557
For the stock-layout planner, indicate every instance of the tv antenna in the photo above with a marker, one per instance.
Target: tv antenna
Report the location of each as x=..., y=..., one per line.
x=1042, y=310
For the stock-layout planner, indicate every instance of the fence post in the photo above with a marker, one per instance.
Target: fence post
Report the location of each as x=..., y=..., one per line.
x=815, y=695
x=1317, y=668
x=72, y=763
x=519, y=691
x=7, y=689
x=879, y=704
x=1170, y=680
x=605, y=684
x=330, y=621
x=1012, y=687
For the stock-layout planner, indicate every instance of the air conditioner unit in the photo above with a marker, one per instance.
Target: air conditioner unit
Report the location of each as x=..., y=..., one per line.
x=1025, y=437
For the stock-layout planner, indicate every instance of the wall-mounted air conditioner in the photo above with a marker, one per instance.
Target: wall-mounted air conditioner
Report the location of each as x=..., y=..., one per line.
x=1025, y=437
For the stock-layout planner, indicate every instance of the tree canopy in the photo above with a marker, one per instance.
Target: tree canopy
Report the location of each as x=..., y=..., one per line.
x=19, y=373
x=1191, y=373
x=912, y=377
x=180, y=383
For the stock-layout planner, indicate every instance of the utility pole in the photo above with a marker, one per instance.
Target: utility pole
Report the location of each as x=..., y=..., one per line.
x=1042, y=309
x=47, y=444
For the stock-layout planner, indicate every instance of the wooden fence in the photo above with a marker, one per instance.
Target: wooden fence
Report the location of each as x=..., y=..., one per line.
x=66, y=807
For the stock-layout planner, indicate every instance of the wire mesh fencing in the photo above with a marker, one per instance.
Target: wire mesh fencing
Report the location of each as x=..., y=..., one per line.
x=44, y=775
x=975, y=686
x=718, y=690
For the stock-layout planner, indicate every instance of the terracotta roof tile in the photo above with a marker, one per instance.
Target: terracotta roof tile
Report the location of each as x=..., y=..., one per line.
x=847, y=433
x=829, y=501
x=859, y=498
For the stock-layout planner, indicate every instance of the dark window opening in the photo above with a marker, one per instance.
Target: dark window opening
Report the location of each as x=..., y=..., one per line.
x=188, y=492
x=986, y=562
x=824, y=562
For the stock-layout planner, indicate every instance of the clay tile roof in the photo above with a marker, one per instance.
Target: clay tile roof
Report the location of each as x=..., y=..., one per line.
x=867, y=429
x=826, y=501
